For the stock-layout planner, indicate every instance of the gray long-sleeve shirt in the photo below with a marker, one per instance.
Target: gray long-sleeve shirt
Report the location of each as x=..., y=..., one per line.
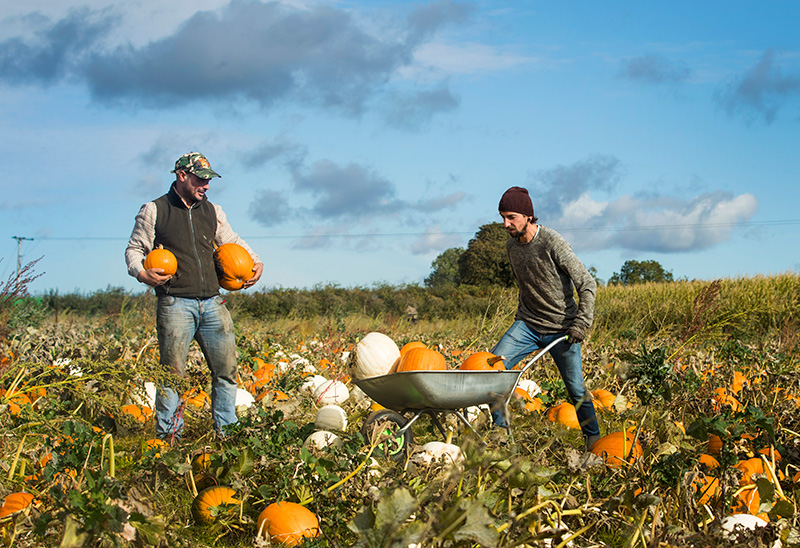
x=546, y=269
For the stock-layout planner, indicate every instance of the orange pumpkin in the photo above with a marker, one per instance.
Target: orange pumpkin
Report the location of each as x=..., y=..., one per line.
x=483, y=361
x=287, y=523
x=197, y=397
x=617, y=448
x=603, y=399
x=565, y=415
x=161, y=258
x=748, y=502
x=15, y=502
x=201, y=461
x=156, y=444
x=411, y=345
x=714, y=445
x=422, y=359
x=234, y=266
x=217, y=496
x=706, y=488
x=710, y=462
x=139, y=412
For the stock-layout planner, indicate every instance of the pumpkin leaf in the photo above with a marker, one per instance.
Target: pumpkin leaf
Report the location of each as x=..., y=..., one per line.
x=478, y=526
x=391, y=524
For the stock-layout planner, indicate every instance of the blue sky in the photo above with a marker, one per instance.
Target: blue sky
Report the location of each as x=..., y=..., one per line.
x=359, y=140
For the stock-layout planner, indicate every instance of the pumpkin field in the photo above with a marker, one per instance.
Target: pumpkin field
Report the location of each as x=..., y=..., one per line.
x=696, y=386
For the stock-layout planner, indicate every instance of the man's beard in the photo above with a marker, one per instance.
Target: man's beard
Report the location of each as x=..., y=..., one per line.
x=517, y=234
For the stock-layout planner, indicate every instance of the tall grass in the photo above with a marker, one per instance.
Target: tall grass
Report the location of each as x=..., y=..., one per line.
x=753, y=310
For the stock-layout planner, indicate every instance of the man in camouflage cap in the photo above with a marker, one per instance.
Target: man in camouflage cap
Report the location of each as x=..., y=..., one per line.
x=189, y=304
x=196, y=163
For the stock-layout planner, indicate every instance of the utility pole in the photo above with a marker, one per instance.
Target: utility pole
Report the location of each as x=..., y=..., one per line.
x=19, y=251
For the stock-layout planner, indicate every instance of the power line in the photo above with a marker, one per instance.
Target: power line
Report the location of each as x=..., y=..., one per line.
x=784, y=222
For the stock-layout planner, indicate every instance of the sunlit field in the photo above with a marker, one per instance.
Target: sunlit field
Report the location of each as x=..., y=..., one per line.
x=698, y=380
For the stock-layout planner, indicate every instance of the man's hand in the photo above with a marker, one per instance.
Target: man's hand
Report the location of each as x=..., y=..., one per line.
x=258, y=268
x=153, y=277
x=574, y=336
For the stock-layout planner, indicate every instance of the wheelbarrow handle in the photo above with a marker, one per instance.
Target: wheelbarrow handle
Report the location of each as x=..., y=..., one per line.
x=542, y=352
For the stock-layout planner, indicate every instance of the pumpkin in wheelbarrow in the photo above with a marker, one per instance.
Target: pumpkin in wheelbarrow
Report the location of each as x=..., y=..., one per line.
x=483, y=361
x=422, y=359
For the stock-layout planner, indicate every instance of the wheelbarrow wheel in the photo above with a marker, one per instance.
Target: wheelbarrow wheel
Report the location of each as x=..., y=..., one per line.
x=380, y=427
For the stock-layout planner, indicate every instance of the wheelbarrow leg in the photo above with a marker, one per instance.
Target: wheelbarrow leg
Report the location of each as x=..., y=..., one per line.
x=436, y=422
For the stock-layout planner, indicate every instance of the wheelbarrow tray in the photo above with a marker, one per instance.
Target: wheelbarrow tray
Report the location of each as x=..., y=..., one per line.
x=440, y=390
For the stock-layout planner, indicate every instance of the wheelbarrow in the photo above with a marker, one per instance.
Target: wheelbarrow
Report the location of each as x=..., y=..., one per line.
x=408, y=395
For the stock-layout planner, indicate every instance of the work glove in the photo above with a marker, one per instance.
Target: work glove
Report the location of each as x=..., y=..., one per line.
x=574, y=336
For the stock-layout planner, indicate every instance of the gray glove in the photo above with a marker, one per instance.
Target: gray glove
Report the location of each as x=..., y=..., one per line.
x=574, y=336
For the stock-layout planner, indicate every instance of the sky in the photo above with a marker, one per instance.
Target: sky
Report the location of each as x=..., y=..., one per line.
x=358, y=140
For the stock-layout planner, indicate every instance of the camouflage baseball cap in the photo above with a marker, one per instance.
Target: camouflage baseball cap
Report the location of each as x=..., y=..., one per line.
x=194, y=162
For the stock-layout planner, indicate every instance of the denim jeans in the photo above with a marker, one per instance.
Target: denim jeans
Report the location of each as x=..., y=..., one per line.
x=520, y=340
x=178, y=321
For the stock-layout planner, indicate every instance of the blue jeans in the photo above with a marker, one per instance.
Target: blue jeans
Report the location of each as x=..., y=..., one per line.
x=178, y=321
x=520, y=340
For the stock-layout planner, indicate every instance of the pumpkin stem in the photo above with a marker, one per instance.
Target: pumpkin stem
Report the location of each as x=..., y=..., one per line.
x=495, y=359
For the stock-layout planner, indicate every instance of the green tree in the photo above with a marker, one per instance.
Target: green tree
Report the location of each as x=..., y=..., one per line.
x=485, y=262
x=444, y=269
x=635, y=272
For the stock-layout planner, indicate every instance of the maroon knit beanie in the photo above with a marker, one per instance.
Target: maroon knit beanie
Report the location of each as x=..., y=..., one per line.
x=517, y=200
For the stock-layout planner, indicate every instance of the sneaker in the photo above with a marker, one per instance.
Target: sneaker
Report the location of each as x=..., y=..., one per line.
x=590, y=440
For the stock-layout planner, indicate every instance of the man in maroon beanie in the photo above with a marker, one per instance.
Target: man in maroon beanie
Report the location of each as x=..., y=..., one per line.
x=546, y=269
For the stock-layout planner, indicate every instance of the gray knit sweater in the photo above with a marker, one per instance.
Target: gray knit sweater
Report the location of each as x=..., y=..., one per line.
x=546, y=269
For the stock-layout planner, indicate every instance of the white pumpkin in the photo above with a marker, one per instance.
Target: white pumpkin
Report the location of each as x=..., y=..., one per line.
x=311, y=384
x=475, y=412
x=375, y=355
x=149, y=399
x=331, y=417
x=243, y=398
x=331, y=392
x=530, y=387
x=322, y=439
x=435, y=451
x=746, y=521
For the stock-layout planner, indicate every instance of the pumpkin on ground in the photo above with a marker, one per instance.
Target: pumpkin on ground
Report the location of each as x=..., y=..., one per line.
x=332, y=392
x=751, y=468
x=139, y=412
x=161, y=258
x=15, y=502
x=483, y=361
x=331, y=417
x=287, y=523
x=710, y=462
x=617, y=448
x=156, y=444
x=706, y=488
x=219, y=497
x=565, y=415
x=234, y=266
x=603, y=399
x=375, y=355
x=714, y=445
x=321, y=439
x=748, y=501
x=438, y=451
x=422, y=359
